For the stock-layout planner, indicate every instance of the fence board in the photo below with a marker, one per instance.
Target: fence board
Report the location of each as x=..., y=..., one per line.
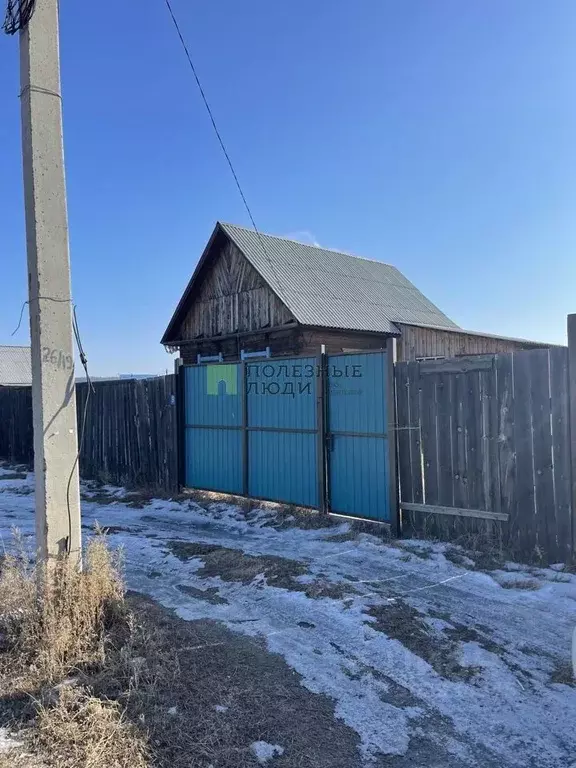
x=445, y=469
x=129, y=435
x=523, y=517
x=561, y=451
x=430, y=439
x=545, y=534
x=460, y=463
x=489, y=385
x=432, y=509
x=403, y=431
x=473, y=441
x=415, y=431
x=505, y=438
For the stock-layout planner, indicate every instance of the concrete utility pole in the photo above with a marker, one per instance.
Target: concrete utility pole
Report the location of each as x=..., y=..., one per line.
x=53, y=378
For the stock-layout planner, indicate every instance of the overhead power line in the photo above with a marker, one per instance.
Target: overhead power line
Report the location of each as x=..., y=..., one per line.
x=221, y=140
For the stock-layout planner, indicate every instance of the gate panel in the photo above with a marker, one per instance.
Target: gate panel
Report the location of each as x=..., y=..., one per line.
x=357, y=442
x=282, y=430
x=283, y=467
x=213, y=426
x=214, y=459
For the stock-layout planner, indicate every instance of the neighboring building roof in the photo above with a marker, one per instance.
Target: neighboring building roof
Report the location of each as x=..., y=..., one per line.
x=328, y=288
x=15, y=366
x=486, y=335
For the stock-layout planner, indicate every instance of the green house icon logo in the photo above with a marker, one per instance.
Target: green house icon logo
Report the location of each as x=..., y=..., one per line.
x=221, y=380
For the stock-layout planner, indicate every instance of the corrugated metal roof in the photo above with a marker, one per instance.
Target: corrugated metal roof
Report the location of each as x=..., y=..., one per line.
x=331, y=289
x=15, y=366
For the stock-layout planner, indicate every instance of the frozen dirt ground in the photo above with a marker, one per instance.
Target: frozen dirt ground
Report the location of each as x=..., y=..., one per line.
x=428, y=662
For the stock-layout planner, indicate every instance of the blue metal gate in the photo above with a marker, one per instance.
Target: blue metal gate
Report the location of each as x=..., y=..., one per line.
x=356, y=432
x=213, y=427
x=283, y=435
x=306, y=431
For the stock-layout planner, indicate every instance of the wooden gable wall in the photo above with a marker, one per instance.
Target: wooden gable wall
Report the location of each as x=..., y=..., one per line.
x=231, y=297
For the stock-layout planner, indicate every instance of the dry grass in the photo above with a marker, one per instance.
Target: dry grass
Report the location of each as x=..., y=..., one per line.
x=82, y=730
x=564, y=673
x=236, y=565
x=402, y=622
x=526, y=584
x=53, y=625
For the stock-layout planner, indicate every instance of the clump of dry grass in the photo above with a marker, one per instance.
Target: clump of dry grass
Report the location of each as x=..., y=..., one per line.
x=54, y=623
x=82, y=730
x=527, y=584
x=564, y=673
x=59, y=623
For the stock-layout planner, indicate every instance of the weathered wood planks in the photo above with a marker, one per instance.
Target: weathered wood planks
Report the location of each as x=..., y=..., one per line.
x=129, y=435
x=495, y=437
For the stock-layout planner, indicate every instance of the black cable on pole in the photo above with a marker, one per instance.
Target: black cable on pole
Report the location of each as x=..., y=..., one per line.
x=221, y=140
x=18, y=15
x=37, y=298
x=90, y=389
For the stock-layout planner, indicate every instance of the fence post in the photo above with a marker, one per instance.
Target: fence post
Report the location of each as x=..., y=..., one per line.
x=572, y=405
x=245, y=454
x=180, y=422
x=392, y=434
x=321, y=427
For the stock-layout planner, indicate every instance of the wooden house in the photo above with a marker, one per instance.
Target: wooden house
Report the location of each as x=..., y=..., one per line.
x=252, y=292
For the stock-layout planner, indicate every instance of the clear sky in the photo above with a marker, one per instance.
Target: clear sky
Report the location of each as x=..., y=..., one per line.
x=437, y=135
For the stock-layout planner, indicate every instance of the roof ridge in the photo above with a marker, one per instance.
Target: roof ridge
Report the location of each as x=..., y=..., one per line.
x=252, y=231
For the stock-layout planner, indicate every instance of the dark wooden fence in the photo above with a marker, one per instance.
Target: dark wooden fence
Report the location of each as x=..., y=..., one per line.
x=129, y=437
x=16, y=436
x=484, y=447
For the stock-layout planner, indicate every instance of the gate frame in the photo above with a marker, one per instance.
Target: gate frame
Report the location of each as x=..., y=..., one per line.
x=322, y=433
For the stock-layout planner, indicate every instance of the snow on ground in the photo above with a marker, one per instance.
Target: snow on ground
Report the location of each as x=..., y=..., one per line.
x=7, y=742
x=422, y=657
x=264, y=752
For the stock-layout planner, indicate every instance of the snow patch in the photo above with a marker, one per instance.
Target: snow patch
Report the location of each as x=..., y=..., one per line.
x=7, y=741
x=264, y=752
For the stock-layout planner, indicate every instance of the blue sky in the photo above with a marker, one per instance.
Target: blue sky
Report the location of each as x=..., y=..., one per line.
x=437, y=135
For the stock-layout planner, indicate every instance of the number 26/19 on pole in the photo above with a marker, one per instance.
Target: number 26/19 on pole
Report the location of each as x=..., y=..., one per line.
x=57, y=358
